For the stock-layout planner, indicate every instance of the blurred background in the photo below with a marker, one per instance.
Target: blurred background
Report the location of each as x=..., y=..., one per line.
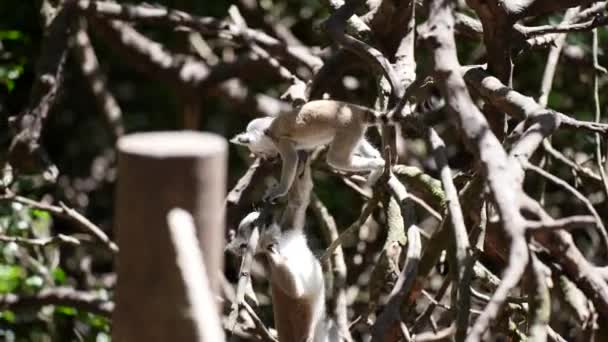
x=81, y=144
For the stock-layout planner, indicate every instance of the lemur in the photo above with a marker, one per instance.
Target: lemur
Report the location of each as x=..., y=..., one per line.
x=341, y=125
x=297, y=284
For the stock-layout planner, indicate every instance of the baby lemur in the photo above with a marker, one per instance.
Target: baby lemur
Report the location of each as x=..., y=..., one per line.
x=296, y=279
x=341, y=125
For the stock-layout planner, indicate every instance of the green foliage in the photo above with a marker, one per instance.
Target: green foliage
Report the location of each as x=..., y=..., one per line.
x=59, y=276
x=12, y=63
x=11, y=277
x=9, y=73
x=39, y=272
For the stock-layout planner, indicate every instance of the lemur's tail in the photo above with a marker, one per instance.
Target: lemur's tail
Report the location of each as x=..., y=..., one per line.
x=431, y=104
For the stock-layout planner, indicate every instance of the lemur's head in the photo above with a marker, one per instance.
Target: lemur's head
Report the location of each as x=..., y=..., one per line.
x=255, y=138
x=239, y=242
x=267, y=240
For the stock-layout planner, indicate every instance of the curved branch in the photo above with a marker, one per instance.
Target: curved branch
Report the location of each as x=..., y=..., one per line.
x=336, y=26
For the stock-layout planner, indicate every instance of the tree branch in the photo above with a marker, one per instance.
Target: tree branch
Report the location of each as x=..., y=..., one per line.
x=86, y=301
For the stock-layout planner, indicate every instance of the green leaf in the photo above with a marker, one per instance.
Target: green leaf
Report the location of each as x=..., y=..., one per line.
x=10, y=85
x=11, y=35
x=8, y=316
x=41, y=223
x=9, y=73
x=10, y=277
x=58, y=275
x=66, y=310
x=41, y=214
x=98, y=322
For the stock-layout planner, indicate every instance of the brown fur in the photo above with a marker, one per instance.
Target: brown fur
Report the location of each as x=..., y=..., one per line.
x=341, y=125
x=317, y=122
x=293, y=317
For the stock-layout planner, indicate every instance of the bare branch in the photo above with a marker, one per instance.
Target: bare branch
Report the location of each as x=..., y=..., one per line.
x=552, y=60
x=42, y=242
x=567, y=223
x=391, y=315
x=558, y=181
x=530, y=32
x=502, y=175
x=540, y=302
x=596, y=106
x=26, y=155
x=579, y=169
x=86, y=301
x=89, y=226
x=463, y=254
x=338, y=298
x=244, y=276
x=206, y=25
x=562, y=248
x=96, y=80
x=336, y=25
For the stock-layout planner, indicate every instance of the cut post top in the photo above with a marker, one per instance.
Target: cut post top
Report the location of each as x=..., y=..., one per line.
x=167, y=144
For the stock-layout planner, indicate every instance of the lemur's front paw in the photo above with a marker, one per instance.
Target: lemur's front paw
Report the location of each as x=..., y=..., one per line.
x=273, y=194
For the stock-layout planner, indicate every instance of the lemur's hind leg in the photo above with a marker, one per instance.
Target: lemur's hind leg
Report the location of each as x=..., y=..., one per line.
x=341, y=152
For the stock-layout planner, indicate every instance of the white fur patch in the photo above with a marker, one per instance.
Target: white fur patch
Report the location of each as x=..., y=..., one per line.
x=299, y=257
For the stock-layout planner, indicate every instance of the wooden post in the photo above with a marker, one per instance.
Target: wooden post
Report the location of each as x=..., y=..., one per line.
x=156, y=173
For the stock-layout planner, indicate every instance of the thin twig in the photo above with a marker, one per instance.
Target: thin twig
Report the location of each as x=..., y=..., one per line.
x=557, y=155
x=244, y=276
x=428, y=312
x=338, y=298
x=596, y=106
x=567, y=223
x=438, y=336
x=558, y=181
x=367, y=211
x=42, y=242
x=89, y=226
x=463, y=255
x=260, y=327
x=68, y=213
x=552, y=59
x=566, y=27
x=540, y=302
